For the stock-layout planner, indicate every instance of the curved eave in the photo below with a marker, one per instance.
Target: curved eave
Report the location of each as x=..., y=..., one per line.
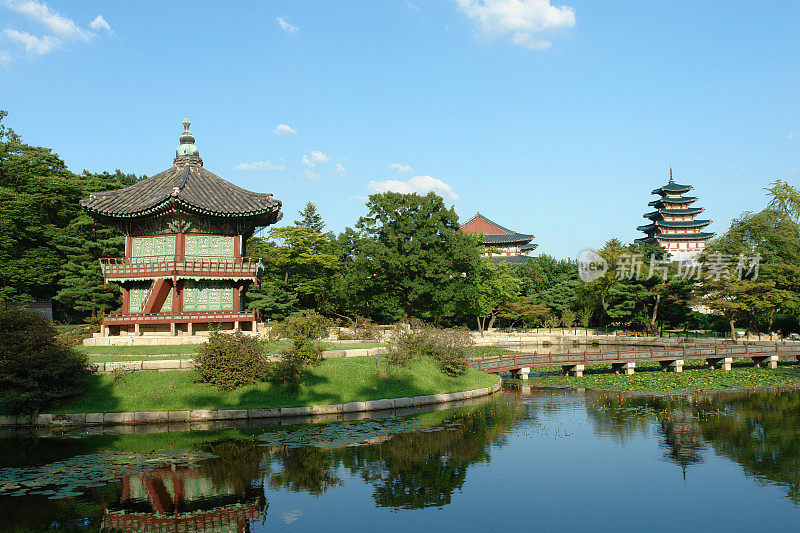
x=672, y=188
x=683, y=224
x=679, y=237
x=174, y=204
x=689, y=211
x=679, y=201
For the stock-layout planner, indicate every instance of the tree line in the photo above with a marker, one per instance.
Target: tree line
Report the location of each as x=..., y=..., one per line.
x=405, y=259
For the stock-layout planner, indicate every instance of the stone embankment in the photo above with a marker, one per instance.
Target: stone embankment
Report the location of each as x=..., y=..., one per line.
x=206, y=415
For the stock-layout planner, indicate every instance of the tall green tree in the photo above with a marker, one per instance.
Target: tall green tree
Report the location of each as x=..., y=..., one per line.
x=493, y=285
x=409, y=249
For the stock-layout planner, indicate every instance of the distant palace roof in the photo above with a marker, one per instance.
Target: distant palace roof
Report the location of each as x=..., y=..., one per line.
x=495, y=234
x=187, y=186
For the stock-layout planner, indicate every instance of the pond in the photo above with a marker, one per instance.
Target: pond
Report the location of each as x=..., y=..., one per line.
x=525, y=460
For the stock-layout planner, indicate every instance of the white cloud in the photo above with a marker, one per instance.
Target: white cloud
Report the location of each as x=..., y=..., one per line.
x=34, y=46
x=522, y=22
x=99, y=23
x=58, y=24
x=59, y=29
x=341, y=170
x=397, y=167
x=791, y=135
x=259, y=165
x=286, y=26
x=417, y=184
x=412, y=6
x=315, y=158
x=5, y=58
x=310, y=174
x=284, y=129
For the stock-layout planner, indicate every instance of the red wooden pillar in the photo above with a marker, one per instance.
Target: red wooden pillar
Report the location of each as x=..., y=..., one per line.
x=177, y=297
x=128, y=246
x=236, y=301
x=237, y=248
x=126, y=301
x=180, y=247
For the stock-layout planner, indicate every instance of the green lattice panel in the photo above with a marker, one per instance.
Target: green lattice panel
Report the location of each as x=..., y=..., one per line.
x=207, y=296
x=138, y=298
x=218, y=247
x=143, y=248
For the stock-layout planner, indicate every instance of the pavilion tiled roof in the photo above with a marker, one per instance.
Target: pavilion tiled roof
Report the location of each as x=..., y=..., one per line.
x=185, y=186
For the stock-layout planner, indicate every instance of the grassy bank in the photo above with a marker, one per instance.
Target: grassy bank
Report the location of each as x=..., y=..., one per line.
x=333, y=381
x=695, y=376
x=271, y=347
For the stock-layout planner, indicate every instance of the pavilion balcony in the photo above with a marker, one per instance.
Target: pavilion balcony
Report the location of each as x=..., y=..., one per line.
x=179, y=318
x=123, y=268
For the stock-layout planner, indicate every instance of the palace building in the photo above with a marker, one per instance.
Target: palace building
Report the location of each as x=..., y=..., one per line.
x=673, y=224
x=504, y=244
x=184, y=266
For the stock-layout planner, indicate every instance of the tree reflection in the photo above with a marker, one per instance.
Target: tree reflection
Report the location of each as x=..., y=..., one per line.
x=306, y=469
x=423, y=469
x=758, y=430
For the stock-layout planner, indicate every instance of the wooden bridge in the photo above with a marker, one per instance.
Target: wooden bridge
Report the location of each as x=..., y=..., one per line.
x=624, y=361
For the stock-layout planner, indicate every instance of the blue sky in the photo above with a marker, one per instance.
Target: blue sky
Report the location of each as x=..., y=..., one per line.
x=553, y=119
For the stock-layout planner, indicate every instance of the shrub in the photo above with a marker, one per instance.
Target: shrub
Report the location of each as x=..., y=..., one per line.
x=228, y=361
x=311, y=325
x=448, y=346
x=36, y=366
x=302, y=355
x=305, y=352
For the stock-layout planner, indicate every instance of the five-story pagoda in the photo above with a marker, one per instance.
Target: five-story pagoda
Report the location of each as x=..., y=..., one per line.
x=185, y=230
x=673, y=225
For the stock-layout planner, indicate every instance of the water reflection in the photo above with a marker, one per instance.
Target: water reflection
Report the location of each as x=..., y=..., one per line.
x=758, y=430
x=223, y=480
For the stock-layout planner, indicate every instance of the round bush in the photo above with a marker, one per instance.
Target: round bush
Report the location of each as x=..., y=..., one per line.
x=228, y=361
x=36, y=367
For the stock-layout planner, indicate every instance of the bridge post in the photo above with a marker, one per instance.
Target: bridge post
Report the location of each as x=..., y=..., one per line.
x=623, y=368
x=523, y=373
x=771, y=361
x=672, y=365
x=573, y=370
x=722, y=363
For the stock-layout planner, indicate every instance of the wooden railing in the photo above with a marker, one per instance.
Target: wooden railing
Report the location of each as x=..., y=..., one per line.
x=126, y=268
x=189, y=316
x=501, y=363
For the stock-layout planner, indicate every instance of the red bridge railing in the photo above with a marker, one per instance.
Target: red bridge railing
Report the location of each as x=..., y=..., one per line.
x=501, y=363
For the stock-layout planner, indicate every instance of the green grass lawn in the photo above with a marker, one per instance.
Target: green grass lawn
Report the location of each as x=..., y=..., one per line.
x=333, y=381
x=649, y=378
x=271, y=347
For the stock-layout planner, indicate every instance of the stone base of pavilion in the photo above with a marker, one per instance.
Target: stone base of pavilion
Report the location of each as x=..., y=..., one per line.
x=153, y=334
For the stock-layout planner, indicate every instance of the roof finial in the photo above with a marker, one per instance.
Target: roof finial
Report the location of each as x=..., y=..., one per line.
x=670, y=174
x=187, y=146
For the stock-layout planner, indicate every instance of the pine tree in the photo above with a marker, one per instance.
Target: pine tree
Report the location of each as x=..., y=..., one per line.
x=83, y=243
x=310, y=218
